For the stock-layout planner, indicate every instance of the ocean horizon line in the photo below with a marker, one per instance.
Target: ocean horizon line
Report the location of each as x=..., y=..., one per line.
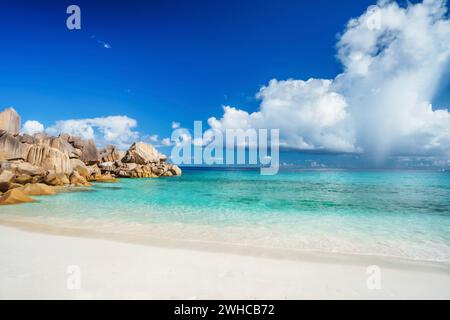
x=303, y=168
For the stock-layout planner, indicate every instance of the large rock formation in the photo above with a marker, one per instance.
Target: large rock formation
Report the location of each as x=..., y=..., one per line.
x=37, y=189
x=141, y=160
x=11, y=148
x=80, y=167
x=49, y=158
x=111, y=154
x=10, y=121
x=27, y=168
x=14, y=196
x=29, y=164
x=61, y=143
x=143, y=153
x=78, y=180
x=6, y=180
x=65, y=147
x=89, y=152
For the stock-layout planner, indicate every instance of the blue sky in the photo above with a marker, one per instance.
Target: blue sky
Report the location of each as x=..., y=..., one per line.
x=169, y=60
x=165, y=61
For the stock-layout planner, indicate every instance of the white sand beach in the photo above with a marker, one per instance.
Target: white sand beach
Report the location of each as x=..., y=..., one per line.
x=36, y=265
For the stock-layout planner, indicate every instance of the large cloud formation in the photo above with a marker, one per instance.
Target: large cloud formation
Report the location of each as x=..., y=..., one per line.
x=393, y=59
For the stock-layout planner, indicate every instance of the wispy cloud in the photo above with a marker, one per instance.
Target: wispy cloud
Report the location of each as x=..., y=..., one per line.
x=166, y=142
x=175, y=125
x=104, y=44
x=158, y=141
x=154, y=138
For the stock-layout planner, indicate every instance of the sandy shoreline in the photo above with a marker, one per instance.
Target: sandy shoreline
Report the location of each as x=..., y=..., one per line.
x=34, y=266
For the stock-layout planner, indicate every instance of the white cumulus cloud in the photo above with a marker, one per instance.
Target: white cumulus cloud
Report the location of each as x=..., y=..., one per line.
x=31, y=127
x=309, y=114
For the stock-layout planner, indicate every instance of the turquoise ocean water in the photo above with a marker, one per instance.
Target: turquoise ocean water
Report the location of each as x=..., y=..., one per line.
x=391, y=213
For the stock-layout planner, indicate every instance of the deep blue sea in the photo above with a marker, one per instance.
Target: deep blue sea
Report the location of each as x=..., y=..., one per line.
x=404, y=214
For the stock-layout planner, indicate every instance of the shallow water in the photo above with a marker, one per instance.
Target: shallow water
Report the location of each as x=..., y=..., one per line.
x=392, y=213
